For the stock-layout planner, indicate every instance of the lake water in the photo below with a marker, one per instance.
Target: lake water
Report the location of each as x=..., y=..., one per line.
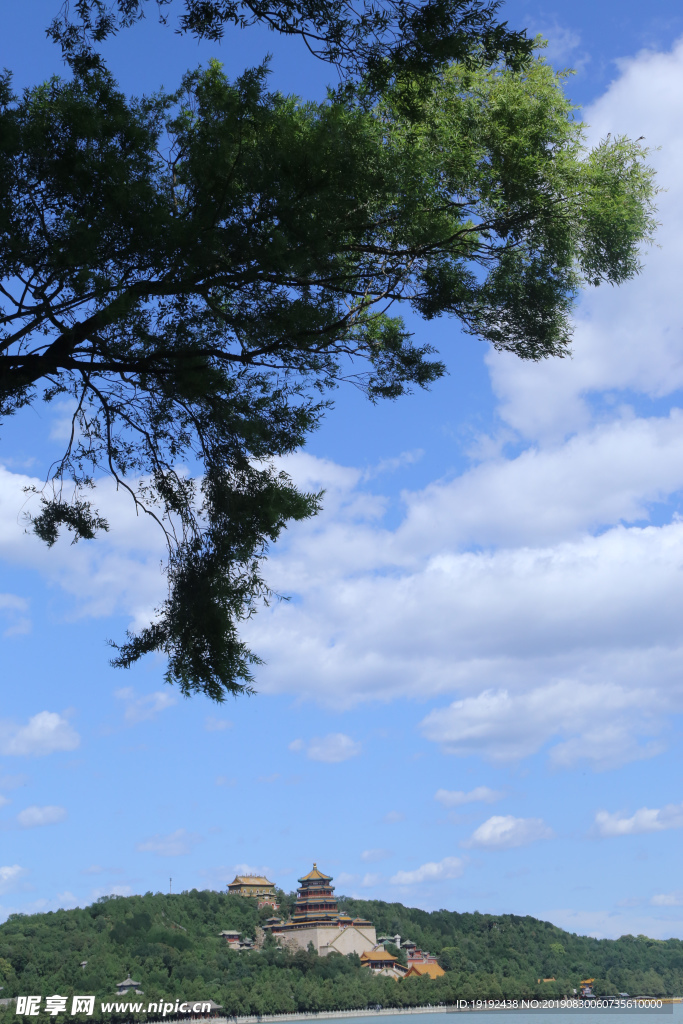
x=671, y=1013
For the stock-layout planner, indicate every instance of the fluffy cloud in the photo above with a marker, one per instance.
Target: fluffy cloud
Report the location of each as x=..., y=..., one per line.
x=116, y=890
x=668, y=899
x=456, y=797
x=119, y=572
x=34, y=817
x=177, y=844
x=434, y=871
x=333, y=748
x=45, y=733
x=9, y=876
x=142, y=709
x=535, y=639
x=502, y=832
x=626, y=338
x=212, y=724
x=645, y=819
x=372, y=856
x=505, y=726
x=14, y=609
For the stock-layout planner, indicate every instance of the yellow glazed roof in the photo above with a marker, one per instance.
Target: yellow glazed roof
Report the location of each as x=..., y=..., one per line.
x=433, y=970
x=250, y=880
x=376, y=954
x=315, y=875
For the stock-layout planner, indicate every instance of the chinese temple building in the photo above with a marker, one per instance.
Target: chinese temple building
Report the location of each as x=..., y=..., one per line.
x=314, y=899
x=251, y=885
x=127, y=986
x=235, y=940
x=428, y=970
x=381, y=962
x=417, y=956
x=316, y=919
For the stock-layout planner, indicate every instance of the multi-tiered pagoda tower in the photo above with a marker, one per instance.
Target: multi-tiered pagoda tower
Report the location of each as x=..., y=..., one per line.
x=317, y=919
x=314, y=899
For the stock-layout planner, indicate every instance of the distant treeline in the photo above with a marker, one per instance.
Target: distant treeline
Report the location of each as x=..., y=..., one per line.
x=170, y=944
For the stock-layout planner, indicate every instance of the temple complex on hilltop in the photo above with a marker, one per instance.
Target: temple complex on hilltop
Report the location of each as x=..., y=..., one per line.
x=316, y=919
x=257, y=886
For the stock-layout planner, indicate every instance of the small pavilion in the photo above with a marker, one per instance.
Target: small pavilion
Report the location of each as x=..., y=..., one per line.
x=128, y=985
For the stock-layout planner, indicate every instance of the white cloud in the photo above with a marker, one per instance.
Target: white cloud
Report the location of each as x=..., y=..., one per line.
x=392, y=464
x=177, y=844
x=118, y=572
x=456, y=797
x=504, y=726
x=563, y=44
x=226, y=873
x=345, y=878
x=34, y=817
x=668, y=899
x=502, y=832
x=9, y=876
x=562, y=639
x=627, y=337
x=14, y=609
x=116, y=890
x=44, y=733
x=4, y=800
x=370, y=880
x=373, y=856
x=66, y=900
x=212, y=724
x=609, y=473
x=142, y=709
x=393, y=817
x=645, y=819
x=333, y=748
x=449, y=867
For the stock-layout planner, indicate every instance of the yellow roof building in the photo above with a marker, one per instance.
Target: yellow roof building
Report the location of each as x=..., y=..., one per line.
x=377, y=956
x=431, y=970
x=316, y=875
x=251, y=885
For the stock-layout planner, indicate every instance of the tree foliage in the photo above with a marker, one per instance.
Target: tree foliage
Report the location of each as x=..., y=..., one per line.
x=171, y=945
x=377, y=40
x=194, y=271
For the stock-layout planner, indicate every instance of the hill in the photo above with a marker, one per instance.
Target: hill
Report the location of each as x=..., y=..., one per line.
x=171, y=945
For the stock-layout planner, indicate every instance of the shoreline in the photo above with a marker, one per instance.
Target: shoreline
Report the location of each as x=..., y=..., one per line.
x=384, y=1012
x=327, y=1014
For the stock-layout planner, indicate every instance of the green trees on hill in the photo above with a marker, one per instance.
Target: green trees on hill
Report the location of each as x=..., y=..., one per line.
x=171, y=945
x=512, y=948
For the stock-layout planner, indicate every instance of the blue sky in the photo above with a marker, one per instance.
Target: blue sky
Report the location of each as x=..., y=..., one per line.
x=473, y=699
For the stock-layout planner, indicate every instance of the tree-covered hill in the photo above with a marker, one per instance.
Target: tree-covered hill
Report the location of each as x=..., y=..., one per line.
x=509, y=946
x=171, y=945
